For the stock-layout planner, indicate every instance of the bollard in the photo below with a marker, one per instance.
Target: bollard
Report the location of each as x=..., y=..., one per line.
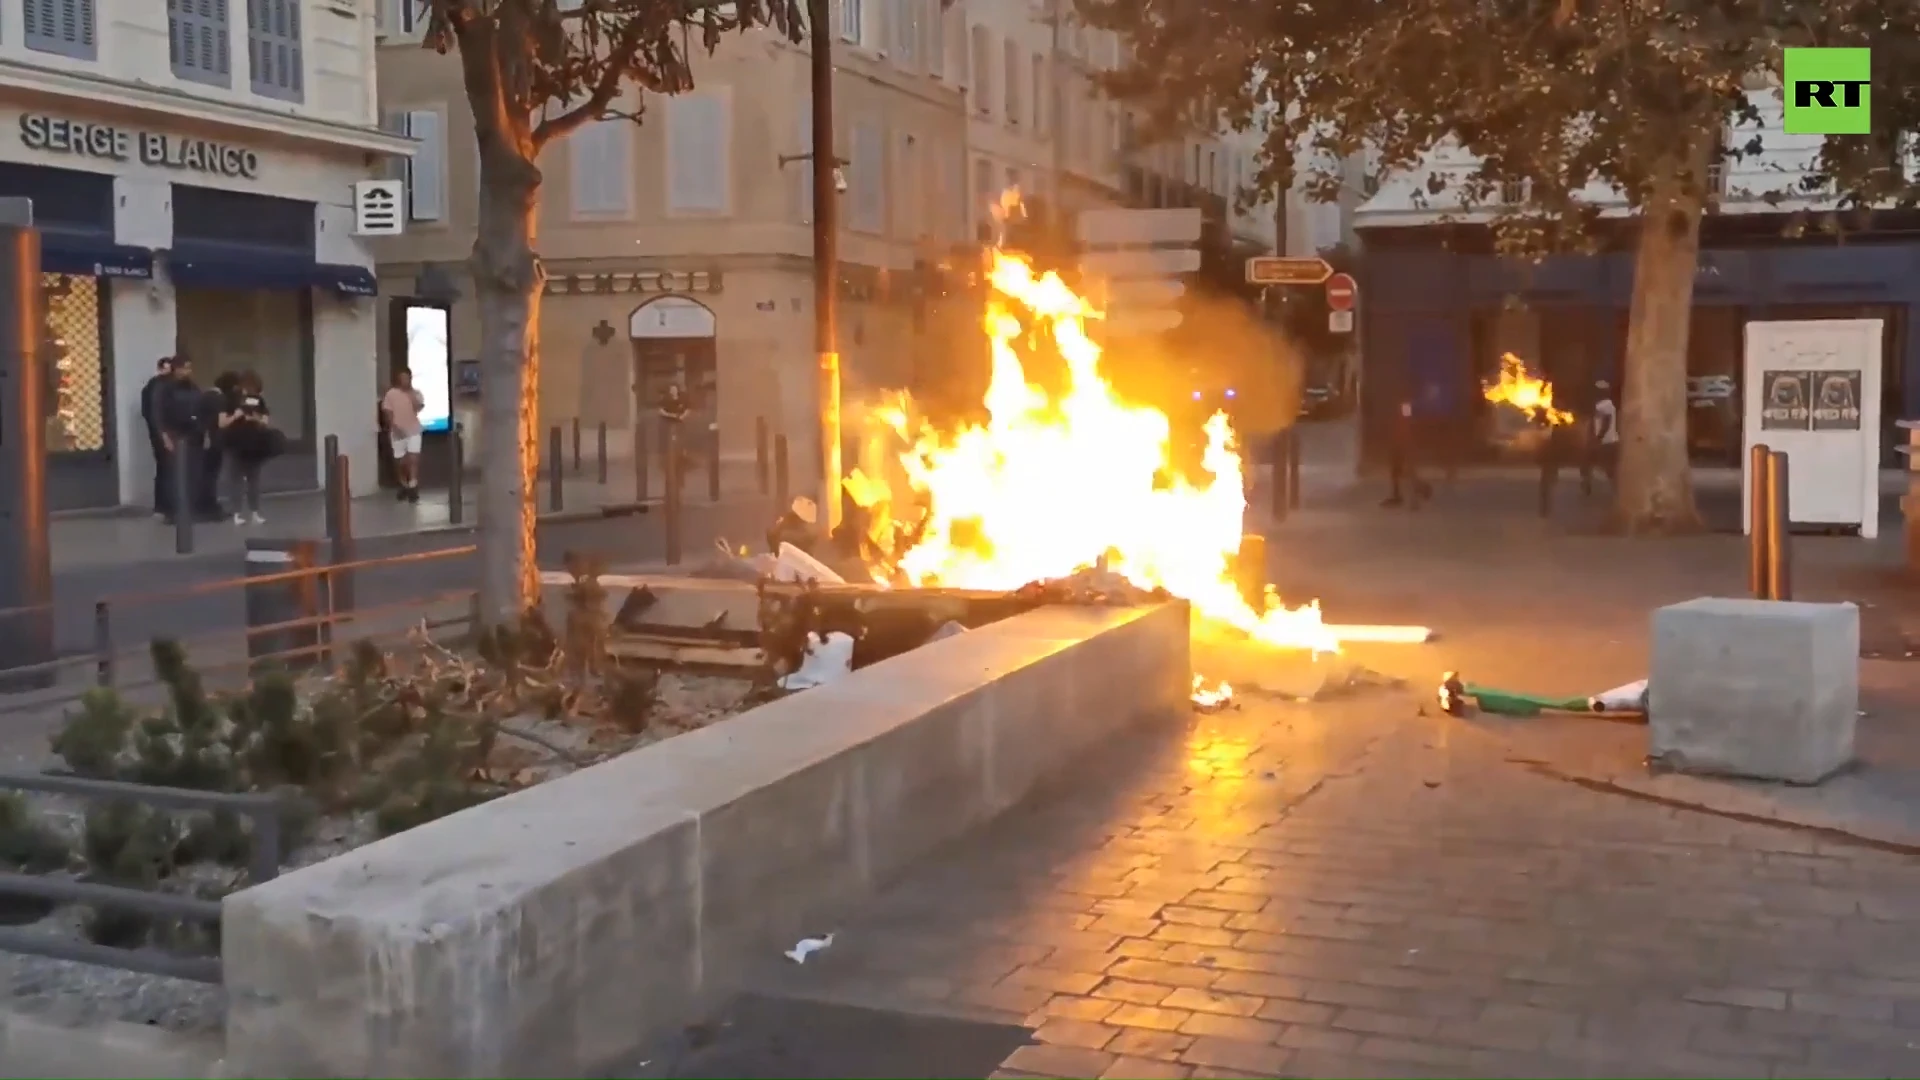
x=457, y=486
x=760, y=465
x=329, y=453
x=556, y=501
x=1779, y=522
x=1250, y=571
x=576, y=446
x=339, y=496
x=1293, y=468
x=641, y=466
x=184, y=510
x=283, y=614
x=781, y=482
x=600, y=452
x=1278, y=490
x=670, y=518
x=713, y=462
x=1759, y=569
x=102, y=643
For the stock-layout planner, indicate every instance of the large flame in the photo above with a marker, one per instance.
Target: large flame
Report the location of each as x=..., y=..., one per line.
x=1519, y=389
x=1048, y=486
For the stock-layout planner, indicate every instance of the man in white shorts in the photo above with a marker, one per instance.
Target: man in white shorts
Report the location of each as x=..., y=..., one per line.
x=401, y=406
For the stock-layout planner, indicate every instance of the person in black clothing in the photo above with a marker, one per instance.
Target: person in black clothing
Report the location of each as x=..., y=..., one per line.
x=248, y=440
x=176, y=412
x=1403, y=467
x=150, y=396
x=1555, y=447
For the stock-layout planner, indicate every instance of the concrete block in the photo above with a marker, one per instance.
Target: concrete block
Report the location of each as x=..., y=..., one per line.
x=564, y=929
x=1755, y=688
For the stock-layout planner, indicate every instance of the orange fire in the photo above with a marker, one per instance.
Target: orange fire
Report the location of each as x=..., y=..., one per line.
x=1050, y=485
x=1520, y=390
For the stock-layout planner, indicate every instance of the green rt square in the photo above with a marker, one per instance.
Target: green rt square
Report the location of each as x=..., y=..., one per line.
x=1829, y=91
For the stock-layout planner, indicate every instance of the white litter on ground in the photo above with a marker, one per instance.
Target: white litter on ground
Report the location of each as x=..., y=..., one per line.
x=826, y=661
x=807, y=947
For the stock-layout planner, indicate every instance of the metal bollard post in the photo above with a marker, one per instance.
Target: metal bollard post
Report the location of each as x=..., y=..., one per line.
x=576, y=446
x=103, y=643
x=457, y=485
x=600, y=451
x=1293, y=468
x=1278, y=492
x=670, y=518
x=641, y=466
x=781, y=481
x=555, y=500
x=340, y=530
x=1250, y=571
x=713, y=462
x=1779, y=522
x=184, y=510
x=760, y=464
x=1759, y=518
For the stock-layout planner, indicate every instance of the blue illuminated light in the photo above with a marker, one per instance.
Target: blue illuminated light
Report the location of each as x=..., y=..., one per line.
x=1196, y=395
x=1230, y=393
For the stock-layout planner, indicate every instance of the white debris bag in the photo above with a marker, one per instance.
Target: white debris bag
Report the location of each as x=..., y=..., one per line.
x=826, y=662
x=807, y=947
x=1629, y=698
x=792, y=564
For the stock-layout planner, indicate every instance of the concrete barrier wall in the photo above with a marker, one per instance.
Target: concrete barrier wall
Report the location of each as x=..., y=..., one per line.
x=559, y=931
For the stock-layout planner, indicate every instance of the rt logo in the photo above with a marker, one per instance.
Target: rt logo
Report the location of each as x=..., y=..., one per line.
x=1828, y=91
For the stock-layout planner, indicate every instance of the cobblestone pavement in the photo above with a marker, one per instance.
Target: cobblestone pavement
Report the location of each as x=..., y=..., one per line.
x=1366, y=887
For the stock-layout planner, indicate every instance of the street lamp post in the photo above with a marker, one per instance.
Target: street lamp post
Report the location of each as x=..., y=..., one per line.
x=826, y=260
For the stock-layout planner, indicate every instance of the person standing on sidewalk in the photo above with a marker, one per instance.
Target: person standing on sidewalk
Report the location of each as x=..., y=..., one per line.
x=1603, y=439
x=152, y=400
x=1403, y=460
x=250, y=439
x=401, y=406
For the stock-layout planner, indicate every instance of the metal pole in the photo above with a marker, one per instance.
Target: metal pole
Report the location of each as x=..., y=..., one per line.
x=1250, y=570
x=1759, y=518
x=1056, y=106
x=713, y=462
x=670, y=519
x=600, y=451
x=340, y=535
x=555, y=500
x=1278, y=492
x=641, y=466
x=782, y=484
x=1293, y=467
x=1779, y=522
x=26, y=550
x=760, y=453
x=576, y=446
x=457, y=484
x=183, y=507
x=826, y=260
x=103, y=643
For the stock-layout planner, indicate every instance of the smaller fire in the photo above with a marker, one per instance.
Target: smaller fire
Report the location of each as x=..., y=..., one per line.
x=1210, y=696
x=1521, y=390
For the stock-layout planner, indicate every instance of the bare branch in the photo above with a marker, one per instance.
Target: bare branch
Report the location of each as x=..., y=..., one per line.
x=619, y=64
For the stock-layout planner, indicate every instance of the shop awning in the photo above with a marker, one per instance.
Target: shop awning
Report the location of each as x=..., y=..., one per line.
x=88, y=255
x=272, y=271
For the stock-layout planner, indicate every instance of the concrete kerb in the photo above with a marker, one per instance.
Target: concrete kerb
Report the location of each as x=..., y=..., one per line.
x=33, y=1047
x=562, y=930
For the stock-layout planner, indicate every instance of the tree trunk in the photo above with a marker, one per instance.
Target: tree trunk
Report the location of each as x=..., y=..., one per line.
x=1656, y=484
x=508, y=279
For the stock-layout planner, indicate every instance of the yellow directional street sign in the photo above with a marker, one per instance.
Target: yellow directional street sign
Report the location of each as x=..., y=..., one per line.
x=1275, y=270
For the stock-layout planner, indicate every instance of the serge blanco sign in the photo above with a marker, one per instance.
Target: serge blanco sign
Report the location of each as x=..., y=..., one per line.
x=82, y=139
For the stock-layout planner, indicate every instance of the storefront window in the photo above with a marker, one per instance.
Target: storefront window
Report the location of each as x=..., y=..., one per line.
x=76, y=366
x=264, y=332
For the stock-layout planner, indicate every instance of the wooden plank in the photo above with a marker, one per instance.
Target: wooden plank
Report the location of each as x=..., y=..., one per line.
x=669, y=652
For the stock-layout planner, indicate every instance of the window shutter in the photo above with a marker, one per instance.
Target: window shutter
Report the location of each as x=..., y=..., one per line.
x=62, y=27
x=198, y=41
x=907, y=26
x=910, y=205
x=869, y=179
x=427, y=173
x=601, y=166
x=850, y=15
x=699, y=162
x=805, y=165
x=273, y=49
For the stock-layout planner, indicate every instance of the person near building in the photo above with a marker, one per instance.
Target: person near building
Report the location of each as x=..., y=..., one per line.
x=176, y=410
x=1556, y=435
x=249, y=440
x=1603, y=439
x=1403, y=464
x=401, y=406
x=151, y=397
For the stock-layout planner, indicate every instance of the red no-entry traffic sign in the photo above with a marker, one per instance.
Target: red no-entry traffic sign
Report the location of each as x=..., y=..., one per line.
x=1341, y=292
